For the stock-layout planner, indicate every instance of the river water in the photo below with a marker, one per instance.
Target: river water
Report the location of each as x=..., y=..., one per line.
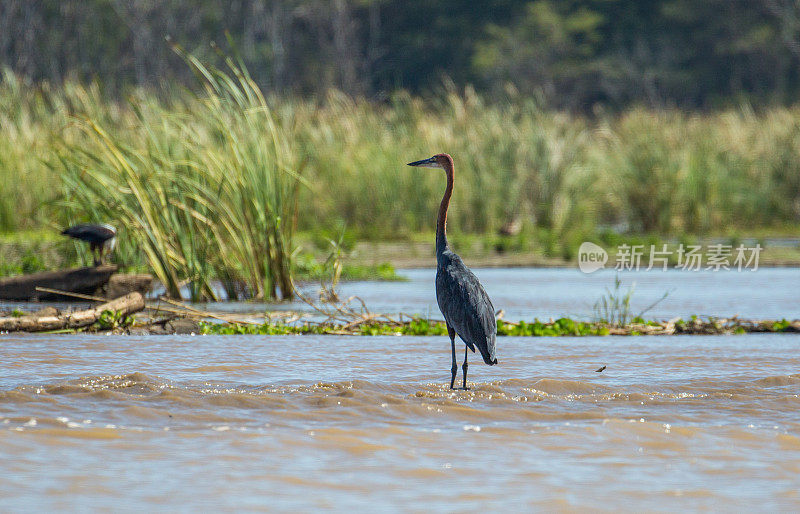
x=299, y=423
x=528, y=293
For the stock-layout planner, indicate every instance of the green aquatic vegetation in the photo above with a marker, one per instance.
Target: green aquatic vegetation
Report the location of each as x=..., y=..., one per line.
x=414, y=327
x=264, y=329
x=379, y=330
x=638, y=320
x=111, y=320
x=424, y=327
x=559, y=327
x=603, y=331
x=556, y=328
x=781, y=326
x=614, y=307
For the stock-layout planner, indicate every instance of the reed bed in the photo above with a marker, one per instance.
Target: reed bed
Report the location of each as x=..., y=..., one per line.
x=215, y=184
x=205, y=188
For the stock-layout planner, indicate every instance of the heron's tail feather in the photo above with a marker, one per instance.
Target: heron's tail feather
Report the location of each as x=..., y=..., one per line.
x=488, y=356
x=487, y=351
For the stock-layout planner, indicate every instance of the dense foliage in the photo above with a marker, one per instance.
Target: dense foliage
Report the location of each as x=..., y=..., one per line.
x=573, y=54
x=70, y=154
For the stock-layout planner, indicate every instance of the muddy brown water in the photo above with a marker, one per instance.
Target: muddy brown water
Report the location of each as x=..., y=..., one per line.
x=295, y=423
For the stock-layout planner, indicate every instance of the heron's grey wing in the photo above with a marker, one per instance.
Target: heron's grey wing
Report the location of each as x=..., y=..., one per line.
x=466, y=307
x=450, y=297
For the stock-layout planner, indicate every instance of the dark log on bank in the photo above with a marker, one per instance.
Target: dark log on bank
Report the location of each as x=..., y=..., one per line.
x=128, y=304
x=78, y=280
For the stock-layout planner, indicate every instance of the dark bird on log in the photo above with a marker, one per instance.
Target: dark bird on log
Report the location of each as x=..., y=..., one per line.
x=466, y=307
x=101, y=238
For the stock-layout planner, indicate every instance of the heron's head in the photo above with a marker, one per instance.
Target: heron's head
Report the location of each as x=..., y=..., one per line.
x=441, y=160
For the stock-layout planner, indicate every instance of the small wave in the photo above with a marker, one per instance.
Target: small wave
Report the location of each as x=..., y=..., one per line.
x=137, y=399
x=133, y=383
x=778, y=381
x=221, y=368
x=567, y=387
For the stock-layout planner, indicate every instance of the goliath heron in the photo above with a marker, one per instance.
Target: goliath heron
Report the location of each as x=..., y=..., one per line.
x=101, y=238
x=466, y=307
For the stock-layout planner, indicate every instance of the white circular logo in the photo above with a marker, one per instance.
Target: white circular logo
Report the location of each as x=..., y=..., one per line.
x=591, y=257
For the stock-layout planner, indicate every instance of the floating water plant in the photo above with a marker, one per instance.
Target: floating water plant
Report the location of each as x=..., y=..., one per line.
x=559, y=327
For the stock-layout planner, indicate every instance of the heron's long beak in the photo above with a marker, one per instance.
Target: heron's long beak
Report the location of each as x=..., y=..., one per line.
x=425, y=163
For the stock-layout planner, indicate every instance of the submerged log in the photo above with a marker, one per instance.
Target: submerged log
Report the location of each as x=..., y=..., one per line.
x=128, y=304
x=78, y=280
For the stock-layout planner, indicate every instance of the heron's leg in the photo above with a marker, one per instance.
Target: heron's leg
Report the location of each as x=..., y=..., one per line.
x=464, y=367
x=454, y=369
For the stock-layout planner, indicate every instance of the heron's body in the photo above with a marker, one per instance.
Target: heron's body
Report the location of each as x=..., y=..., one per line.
x=101, y=238
x=466, y=307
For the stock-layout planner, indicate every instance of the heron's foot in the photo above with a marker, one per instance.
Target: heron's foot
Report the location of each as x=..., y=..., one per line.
x=453, y=372
x=464, y=367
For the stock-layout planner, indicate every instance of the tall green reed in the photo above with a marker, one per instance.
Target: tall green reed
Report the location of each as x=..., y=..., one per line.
x=206, y=187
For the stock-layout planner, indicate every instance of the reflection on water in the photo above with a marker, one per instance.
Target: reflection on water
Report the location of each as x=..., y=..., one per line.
x=286, y=423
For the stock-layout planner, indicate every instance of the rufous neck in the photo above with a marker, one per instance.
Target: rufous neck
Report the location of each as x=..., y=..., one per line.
x=441, y=223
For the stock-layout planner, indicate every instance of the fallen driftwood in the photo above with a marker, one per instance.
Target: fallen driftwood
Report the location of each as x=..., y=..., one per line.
x=128, y=304
x=78, y=280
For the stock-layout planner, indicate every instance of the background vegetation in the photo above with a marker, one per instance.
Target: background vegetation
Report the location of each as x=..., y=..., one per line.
x=575, y=54
x=562, y=177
